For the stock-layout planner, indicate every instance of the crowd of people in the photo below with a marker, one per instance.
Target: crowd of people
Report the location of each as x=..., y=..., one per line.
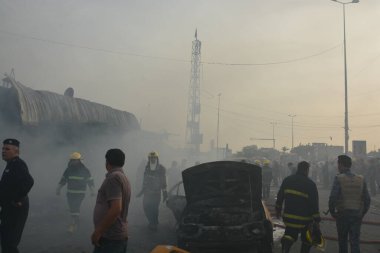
x=297, y=198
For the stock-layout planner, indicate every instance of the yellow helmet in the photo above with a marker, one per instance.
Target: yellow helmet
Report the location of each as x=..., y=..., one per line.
x=153, y=154
x=315, y=237
x=75, y=156
x=266, y=162
x=257, y=162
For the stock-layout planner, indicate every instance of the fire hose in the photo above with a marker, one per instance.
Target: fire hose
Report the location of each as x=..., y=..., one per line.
x=334, y=238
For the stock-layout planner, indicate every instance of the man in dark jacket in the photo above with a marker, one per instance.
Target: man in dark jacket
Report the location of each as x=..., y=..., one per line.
x=154, y=183
x=15, y=185
x=77, y=177
x=348, y=203
x=301, y=209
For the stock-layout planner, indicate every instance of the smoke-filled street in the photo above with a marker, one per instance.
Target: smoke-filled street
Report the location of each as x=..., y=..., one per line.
x=49, y=219
x=130, y=124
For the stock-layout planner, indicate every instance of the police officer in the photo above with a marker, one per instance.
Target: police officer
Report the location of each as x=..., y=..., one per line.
x=15, y=185
x=349, y=201
x=154, y=183
x=77, y=177
x=301, y=209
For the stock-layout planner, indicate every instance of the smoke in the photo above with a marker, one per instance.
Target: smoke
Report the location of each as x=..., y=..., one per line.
x=47, y=154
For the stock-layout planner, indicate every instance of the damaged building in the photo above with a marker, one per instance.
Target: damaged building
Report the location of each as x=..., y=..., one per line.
x=35, y=112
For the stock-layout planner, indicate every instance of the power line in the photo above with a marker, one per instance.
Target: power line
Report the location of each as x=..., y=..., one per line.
x=275, y=62
x=110, y=51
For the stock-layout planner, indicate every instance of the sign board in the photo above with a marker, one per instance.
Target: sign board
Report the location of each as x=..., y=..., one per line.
x=359, y=148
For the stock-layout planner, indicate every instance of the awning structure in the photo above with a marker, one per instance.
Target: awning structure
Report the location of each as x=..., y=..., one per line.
x=33, y=108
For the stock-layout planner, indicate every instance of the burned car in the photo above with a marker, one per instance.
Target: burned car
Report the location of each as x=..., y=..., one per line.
x=222, y=210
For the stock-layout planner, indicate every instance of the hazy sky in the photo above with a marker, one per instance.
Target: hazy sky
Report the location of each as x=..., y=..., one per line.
x=35, y=39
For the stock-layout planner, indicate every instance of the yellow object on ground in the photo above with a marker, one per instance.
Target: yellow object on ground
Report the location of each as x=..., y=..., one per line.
x=168, y=249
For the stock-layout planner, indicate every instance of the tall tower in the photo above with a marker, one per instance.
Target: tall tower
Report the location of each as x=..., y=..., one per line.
x=193, y=136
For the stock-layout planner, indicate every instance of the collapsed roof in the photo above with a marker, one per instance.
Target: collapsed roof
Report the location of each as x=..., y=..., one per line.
x=30, y=107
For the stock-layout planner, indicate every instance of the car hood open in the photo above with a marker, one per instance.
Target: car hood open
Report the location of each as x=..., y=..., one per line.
x=223, y=181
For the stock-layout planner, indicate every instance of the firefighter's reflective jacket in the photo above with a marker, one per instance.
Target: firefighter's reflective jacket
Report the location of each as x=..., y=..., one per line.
x=300, y=195
x=154, y=180
x=77, y=177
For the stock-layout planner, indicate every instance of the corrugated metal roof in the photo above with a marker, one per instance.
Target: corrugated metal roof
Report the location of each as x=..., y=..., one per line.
x=38, y=107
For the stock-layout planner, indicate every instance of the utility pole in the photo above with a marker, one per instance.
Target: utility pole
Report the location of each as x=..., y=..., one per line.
x=346, y=128
x=274, y=140
x=217, y=129
x=292, y=116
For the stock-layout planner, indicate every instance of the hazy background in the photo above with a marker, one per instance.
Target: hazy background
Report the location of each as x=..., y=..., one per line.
x=99, y=48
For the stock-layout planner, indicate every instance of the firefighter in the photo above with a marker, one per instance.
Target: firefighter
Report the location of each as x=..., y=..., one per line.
x=77, y=177
x=154, y=182
x=266, y=179
x=348, y=203
x=301, y=209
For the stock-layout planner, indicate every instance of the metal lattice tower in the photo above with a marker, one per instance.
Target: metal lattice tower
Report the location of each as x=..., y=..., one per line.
x=193, y=136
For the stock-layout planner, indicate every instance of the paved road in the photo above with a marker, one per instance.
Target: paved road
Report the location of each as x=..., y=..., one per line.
x=328, y=228
x=46, y=228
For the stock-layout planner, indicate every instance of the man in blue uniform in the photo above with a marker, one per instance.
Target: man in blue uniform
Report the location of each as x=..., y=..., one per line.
x=77, y=177
x=15, y=185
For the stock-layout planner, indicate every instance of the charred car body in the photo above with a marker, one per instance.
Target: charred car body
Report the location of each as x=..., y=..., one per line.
x=223, y=208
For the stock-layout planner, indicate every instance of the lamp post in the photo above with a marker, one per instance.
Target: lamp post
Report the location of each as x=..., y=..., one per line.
x=346, y=128
x=292, y=116
x=217, y=129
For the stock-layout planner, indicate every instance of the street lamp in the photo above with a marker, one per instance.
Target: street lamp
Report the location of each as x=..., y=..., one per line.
x=292, y=116
x=346, y=137
x=217, y=128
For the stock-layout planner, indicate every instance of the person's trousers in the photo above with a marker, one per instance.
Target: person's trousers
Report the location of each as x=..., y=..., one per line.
x=75, y=200
x=111, y=246
x=348, y=228
x=291, y=236
x=151, y=203
x=12, y=225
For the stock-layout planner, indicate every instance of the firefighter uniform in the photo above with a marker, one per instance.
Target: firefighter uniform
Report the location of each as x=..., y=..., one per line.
x=300, y=195
x=154, y=183
x=77, y=177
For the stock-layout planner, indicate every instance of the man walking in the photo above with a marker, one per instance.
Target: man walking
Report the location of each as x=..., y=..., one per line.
x=15, y=185
x=154, y=183
x=301, y=209
x=77, y=177
x=111, y=209
x=348, y=203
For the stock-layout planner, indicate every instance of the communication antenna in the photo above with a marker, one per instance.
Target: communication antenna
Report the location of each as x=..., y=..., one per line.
x=193, y=136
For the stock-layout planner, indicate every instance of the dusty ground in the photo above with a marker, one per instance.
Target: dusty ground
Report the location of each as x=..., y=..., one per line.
x=45, y=231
